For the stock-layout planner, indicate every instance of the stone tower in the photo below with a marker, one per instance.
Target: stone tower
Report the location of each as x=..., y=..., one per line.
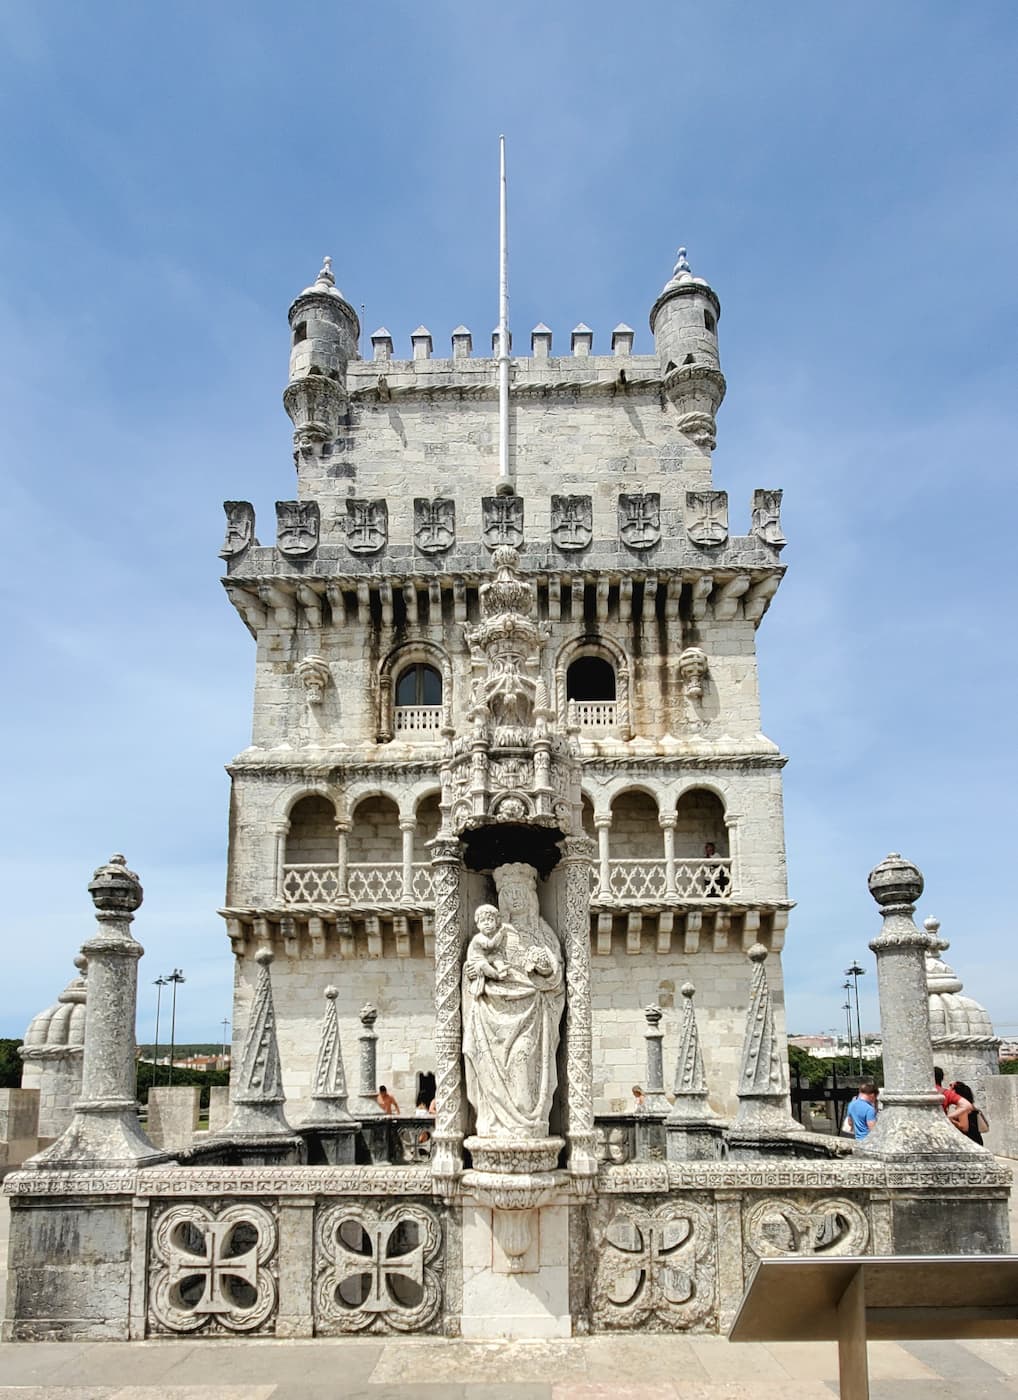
x=365, y=678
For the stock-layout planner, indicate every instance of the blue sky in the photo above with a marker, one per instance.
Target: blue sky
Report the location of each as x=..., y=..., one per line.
x=843, y=175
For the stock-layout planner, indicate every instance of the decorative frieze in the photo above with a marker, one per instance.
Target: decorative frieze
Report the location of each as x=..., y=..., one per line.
x=212, y=1268
x=707, y=518
x=377, y=1269
x=502, y=520
x=654, y=1266
x=766, y=522
x=367, y=525
x=240, y=529
x=434, y=524
x=572, y=522
x=640, y=519
x=298, y=527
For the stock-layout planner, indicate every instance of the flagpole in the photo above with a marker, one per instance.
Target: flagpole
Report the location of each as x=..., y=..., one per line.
x=505, y=480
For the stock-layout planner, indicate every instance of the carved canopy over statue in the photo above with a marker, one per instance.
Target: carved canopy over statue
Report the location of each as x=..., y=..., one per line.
x=513, y=995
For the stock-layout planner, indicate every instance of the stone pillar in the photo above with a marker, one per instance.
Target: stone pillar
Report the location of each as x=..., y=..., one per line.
x=654, y=1094
x=734, y=855
x=666, y=821
x=447, y=1139
x=603, y=826
x=367, y=1064
x=574, y=931
x=408, y=826
x=173, y=1115
x=342, y=834
x=911, y=1122
x=104, y=1131
x=281, y=832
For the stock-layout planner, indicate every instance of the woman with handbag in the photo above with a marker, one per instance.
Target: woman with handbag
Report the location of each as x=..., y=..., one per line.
x=965, y=1116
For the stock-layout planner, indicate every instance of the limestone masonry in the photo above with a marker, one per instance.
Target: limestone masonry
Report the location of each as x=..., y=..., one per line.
x=363, y=674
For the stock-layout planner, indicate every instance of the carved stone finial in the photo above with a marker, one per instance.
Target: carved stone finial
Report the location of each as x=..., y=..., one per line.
x=326, y=273
x=256, y=1092
x=331, y=993
x=687, y=989
x=652, y=1014
x=81, y=963
x=682, y=269
x=264, y=957
x=895, y=881
x=114, y=888
x=757, y=953
x=368, y=1014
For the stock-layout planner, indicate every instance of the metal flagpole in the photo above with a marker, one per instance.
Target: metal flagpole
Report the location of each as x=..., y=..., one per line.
x=505, y=480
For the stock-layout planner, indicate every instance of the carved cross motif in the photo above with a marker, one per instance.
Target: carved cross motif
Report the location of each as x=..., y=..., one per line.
x=214, y=1266
x=640, y=519
x=707, y=517
x=572, y=521
x=367, y=526
x=378, y=1265
x=385, y=1284
x=434, y=524
x=298, y=524
x=502, y=520
x=240, y=528
x=654, y=1263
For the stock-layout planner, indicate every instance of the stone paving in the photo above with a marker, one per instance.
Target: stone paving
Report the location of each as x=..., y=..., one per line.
x=602, y=1368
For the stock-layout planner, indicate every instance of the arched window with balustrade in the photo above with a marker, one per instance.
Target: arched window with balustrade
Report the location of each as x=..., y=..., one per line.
x=414, y=685
x=636, y=844
x=310, y=872
x=703, y=868
x=374, y=872
x=592, y=686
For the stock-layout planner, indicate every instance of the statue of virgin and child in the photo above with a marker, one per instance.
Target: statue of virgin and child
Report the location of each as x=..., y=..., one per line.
x=513, y=995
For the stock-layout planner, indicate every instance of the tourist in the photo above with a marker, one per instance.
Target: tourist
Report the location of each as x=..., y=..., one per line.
x=965, y=1116
x=949, y=1097
x=862, y=1111
x=385, y=1100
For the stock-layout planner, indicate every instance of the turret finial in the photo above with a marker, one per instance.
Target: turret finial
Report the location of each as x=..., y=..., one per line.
x=682, y=268
x=326, y=273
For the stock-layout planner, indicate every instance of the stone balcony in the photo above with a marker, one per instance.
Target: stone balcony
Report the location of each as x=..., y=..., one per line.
x=657, y=881
x=411, y=720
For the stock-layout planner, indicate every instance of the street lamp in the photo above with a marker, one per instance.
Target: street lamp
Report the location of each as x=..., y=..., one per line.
x=159, y=984
x=176, y=977
x=226, y=1027
x=847, y=1008
x=855, y=972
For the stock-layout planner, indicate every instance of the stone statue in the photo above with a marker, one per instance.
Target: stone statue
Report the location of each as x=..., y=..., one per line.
x=513, y=995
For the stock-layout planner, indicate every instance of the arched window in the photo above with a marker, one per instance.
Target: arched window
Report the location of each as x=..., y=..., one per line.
x=591, y=692
x=419, y=685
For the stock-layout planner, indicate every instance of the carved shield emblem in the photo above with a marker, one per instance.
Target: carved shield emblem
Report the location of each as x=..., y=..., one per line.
x=502, y=520
x=707, y=518
x=767, y=518
x=298, y=525
x=240, y=528
x=367, y=526
x=572, y=521
x=434, y=524
x=640, y=519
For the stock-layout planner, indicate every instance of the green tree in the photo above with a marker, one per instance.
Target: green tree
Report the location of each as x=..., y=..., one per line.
x=10, y=1064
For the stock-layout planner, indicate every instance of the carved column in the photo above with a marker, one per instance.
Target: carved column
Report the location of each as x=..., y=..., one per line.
x=623, y=717
x=574, y=931
x=911, y=1122
x=281, y=832
x=604, y=886
x=342, y=834
x=367, y=1044
x=447, y=1139
x=735, y=871
x=666, y=820
x=104, y=1130
x=408, y=826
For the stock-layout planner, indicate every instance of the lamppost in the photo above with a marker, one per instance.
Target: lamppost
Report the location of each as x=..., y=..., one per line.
x=176, y=977
x=226, y=1027
x=847, y=1008
x=855, y=972
x=159, y=984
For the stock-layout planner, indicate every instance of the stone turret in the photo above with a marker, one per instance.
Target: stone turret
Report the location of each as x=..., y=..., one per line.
x=52, y=1051
x=962, y=1034
x=684, y=321
x=324, y=333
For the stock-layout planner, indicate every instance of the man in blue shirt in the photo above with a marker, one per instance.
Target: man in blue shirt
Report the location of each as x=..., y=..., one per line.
x=862, y=1111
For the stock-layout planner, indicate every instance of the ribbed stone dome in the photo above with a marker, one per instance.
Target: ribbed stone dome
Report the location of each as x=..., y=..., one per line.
x=62, y=1024
x=951, y=1014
